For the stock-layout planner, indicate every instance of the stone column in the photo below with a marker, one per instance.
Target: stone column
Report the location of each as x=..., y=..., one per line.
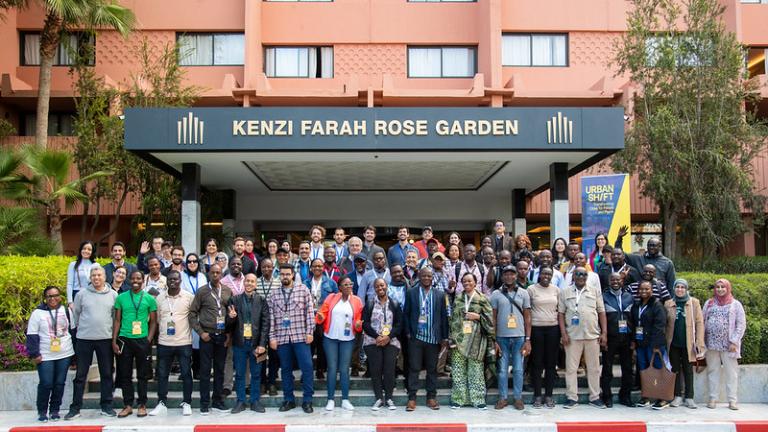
x=558, y=195
x=190, y=207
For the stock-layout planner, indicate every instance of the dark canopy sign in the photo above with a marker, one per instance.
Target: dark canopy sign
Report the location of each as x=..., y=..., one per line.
x=361, y=129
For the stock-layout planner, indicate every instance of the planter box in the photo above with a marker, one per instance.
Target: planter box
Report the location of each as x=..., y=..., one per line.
x=19, y=391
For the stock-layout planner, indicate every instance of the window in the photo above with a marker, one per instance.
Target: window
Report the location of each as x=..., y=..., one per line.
x=755, y=1
x=296, y=1
x=534, y=50
x=212, y=49
x=58, y=124
x=441, y=62
x=70, y=46
x=756, y=61
x=442, y=1
x=299, y=62
x=684, y=49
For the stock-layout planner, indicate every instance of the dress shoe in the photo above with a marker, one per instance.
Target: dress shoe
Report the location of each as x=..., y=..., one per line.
x=307, y=407
x=411, y=406
x=125, y=412
x=287, y=406
x=432, y=404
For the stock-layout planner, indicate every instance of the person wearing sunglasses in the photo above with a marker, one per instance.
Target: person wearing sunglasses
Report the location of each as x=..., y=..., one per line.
x=583, y=330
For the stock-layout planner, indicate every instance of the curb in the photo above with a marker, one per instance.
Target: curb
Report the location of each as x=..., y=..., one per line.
x=737, y=426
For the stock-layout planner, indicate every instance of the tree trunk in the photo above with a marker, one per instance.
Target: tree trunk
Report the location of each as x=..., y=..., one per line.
x=54, y=227
x=118, y=211
x=670, y=232
x=49, y=42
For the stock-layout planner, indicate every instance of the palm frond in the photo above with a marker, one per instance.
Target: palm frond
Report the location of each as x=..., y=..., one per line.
x=111, y=15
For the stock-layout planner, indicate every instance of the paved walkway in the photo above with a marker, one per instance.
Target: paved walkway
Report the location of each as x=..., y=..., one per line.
x=424, y=420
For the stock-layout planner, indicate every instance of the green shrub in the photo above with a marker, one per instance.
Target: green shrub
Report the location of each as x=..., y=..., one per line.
x=734, y=265
x=755, y=338
x=749, y=289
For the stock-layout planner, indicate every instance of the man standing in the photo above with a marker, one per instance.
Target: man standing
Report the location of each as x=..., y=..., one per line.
x=234, y=280
x=494, y=277
x=118, y=255
x=250, y=333
x=512, y=320
x=330, y=268
x=157, y=251
x=502, y=240
x=583, y=329
x=207, y=316
x=174, y=341
x=92, y=316
x=570, y=253
x=665, y=268
x=469, y=265
x=618, y=303
x=365, y=289
x=347, y=265
x=426, y=319
x=154, y=282
x=423, y=245
x=316, y=248
x=442, y=277
x=266, y=284
x=291, y=325
x=660, y=291
x=249, y=266
x=134, y=326
x=369, y=247
x=618, y=265
x=340, y=245
x=303, y=264
x=397, y=252
x=546, y=260
x=177, y=261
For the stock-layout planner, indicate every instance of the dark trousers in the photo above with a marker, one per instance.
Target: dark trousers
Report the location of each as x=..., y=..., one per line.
x=165, y=356
x=53, y=377
x=300, y=352
x=84, y=350
x=617, y=345
x=212, y=354
x=356, y=352
x=545, y=349
x=270, y=368
x=135, y=350
x=680, y=365
x=422, y=355
x=381, y=365
x=317, y=349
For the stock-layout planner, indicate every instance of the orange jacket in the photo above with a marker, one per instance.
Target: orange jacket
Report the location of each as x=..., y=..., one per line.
x=323, y=315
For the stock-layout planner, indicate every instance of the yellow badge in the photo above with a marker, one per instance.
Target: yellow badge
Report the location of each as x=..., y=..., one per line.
x=247, y=333
x=512, y=322
x=136, y=328
x=467, y=327
x=55, y=344
x=386, y=329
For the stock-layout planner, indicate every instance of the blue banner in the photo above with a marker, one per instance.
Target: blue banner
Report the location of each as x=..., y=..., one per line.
x=605, y=207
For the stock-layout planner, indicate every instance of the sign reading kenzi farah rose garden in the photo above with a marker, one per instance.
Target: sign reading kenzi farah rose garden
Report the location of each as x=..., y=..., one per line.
x=326, y=128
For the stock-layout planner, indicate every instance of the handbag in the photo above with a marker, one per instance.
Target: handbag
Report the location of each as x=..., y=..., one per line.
x=657, y=383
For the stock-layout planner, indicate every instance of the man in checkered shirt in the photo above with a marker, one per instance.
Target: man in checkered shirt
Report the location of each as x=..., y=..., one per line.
x=292, y=322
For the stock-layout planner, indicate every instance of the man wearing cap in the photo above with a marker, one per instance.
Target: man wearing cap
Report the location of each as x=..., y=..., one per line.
x=512, y=321
x=442, y=277
x=422, y=245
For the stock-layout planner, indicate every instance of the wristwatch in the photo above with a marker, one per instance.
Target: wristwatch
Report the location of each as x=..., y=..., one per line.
x=527, y=338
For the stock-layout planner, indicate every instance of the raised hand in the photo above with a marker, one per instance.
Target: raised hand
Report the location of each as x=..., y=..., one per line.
x=144, y=247
x=232, y=312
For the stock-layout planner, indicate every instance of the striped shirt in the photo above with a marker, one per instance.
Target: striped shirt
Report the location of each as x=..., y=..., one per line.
x=660, y=291
x=424, y=333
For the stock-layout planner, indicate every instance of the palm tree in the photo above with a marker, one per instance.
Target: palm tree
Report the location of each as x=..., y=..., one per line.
x=49, y=186
x=60, y=17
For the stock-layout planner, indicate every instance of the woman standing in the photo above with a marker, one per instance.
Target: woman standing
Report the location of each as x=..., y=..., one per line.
x=686, y=342
x=648, y=322
x=192, y=279
x=471, y=330
x=249, y=250
x=79, y=271
x=320, y=285
x=272, y=247
x=545, y=337
x=558, y=252
x=211, y=253
x=596, y=256
x=291, y=256
x=341, y=316
x=382, y=324
x=49, y=345
x=724, y=326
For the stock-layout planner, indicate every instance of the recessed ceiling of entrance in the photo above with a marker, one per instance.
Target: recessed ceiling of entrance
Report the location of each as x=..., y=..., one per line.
x=374, y=176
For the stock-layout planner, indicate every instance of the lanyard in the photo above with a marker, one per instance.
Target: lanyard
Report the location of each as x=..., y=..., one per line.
x=424, y=300
x=402, y=252
x=286, y=298
x=218, y=300
x=621, y=305
x=316, y=252
x=239, y=286
x=339, y=251
x=197, y=282
x=137, y=306
x=579, y=292
x=170, y=305
x=468, y=303
x=640, y=312
x=55, y=322
x=330, y=275
x=269, y=288
x=385, y=310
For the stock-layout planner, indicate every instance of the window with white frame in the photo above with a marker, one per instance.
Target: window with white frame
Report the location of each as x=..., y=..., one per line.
x=70, y=46
x=755, y=1
x=211, y=49
x=298, y=62
x=442, y=62
x=533, y=49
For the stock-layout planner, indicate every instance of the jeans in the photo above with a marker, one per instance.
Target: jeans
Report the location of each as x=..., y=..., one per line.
x=644, y=355
x=244, y=357
x=165, y=355
x=270, y=368
x=134, y=350
x=318, y=349
x=422, y=355
x=212, y=354
x=338, y=355
x=84, y=350
x=545, y=349
x=303, y=354
x=381, y=365
x=53, y=376
x=510, y=350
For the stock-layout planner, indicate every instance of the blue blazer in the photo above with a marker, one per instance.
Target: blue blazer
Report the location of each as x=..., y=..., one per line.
x=327, y=287
x=439, y=313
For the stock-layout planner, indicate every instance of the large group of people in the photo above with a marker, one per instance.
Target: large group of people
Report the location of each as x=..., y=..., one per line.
x=342, y=306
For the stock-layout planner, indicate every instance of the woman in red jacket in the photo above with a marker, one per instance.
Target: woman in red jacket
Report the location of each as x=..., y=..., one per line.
x=341, y=317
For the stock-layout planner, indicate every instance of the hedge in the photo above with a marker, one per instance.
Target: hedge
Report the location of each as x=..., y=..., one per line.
x=22, y=280
x=734, y=265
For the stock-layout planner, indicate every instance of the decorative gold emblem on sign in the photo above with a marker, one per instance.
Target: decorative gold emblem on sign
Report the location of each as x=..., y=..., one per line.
x=559, y=130
x=190, y=130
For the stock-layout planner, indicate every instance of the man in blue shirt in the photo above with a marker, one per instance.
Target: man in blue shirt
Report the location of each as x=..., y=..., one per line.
x=396, y=253
x=365, y=286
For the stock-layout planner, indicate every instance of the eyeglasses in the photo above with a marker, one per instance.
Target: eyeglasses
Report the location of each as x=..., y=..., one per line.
x=579, y=274
x=53, y=296
x=191, y=261
x=220, y=259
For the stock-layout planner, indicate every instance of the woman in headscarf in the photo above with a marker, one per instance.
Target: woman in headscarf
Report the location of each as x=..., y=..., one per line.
x=724, y=326
x=686, y=342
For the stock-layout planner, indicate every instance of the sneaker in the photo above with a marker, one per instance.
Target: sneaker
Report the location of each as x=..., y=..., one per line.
x=644, y=403
x=220, y=407
x=597, y=403
x=481, y=407
x=689, y=403
x=549, y=402
x=159, y=410
x=455, y=406
x=733, y=406
x=42, y=418
x=204, y=411
x=346, y=405
x=570, y=404
x=239, y=407
x=538, y=403
x=712, y=404
x=258, y=407
x=391, y=405
x=72, y=414
x=107, y=412
x=54, y=417
x=330, y=405
x=186, y=409
x=377, y=405
x=676, y=402
x=660, y=405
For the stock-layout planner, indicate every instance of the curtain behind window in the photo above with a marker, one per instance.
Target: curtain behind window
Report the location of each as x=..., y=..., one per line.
x=516, y=50
x=66, y=53
x=423, y=62
x=326, y=62
x=196, y=50
x=458, y=62
x=228, y=49
x=31, y=49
